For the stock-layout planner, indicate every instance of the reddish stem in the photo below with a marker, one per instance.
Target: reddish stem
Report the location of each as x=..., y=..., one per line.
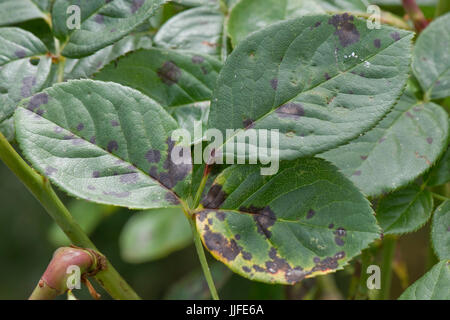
x=416, y=15
x=54, y=280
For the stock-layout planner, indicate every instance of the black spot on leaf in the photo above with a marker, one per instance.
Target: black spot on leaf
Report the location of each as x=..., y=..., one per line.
x=80, y=126
x=395, y=35
x=274, y=84
x=136, y=5
x=310, y=214
x=20, y=53
x=95, y=174
x=175, y=172
x=99, y=19
x=50, y=170
x=153, y=156
x=171, y=198
x=37, y=100
x=217, y=243
x=112, y=146
x=220, y=215
x=123, y=194
x=215, y=197
x=246, y=269
x=377, y=43
x=345, y=29
x=339, y=241
x=247, y=123
x=27, y=86
x=291, y=110
x=169, y=73
x=197, y=59
x=129, y=178
x=114, y=123
x=264, y=218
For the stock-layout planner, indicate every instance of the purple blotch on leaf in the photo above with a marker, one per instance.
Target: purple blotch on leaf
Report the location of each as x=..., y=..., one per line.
x=169, y=73
x=37, y=100
x=112, y=146
x=345, y=29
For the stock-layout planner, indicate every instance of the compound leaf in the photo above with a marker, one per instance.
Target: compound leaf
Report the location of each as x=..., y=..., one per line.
x=398, y=150
x=25, y=68
x=434, y=285
x=104, y=143
x=102, y=22
x=303, y=221
x=405, y=210
x=320, y=80
x=440, y=231
x=154, y=234
x=431, y=58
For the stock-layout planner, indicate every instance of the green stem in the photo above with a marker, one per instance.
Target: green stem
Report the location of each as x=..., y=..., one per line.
x=198, y=195
x=442, y=7
x=42, y=190
x=439, y=197
x=389, y=244
x=202, y=258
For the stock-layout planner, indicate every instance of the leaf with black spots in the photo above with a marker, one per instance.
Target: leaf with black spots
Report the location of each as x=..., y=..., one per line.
x=248, y=16
x=440, y=231
x=103, y=22
x=154, y=234
x=434, y=285
x=182, y=82
x=199, y=30
x=87, y=66
x=304, y=221
x=405, y=210
x=320, y=80
x=398, y=150
x=106, y=143
x=25, y=68
x=431, y=59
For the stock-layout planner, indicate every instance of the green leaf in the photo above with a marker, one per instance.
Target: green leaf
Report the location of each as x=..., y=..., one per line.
x=154, y=234
x=15, y=11
x=104, y=143
x=405, y=210
x=86, y=67
x=431, y=59
x=198, y=29
x=248, y=16
x=102, y=23
x=434, y=285
x=87, y=214
x=320, y=80
x=180, y=82
x=440, y=231
x=440, y=174
x=25, y=69
x=398, y=150
x=304, y=221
